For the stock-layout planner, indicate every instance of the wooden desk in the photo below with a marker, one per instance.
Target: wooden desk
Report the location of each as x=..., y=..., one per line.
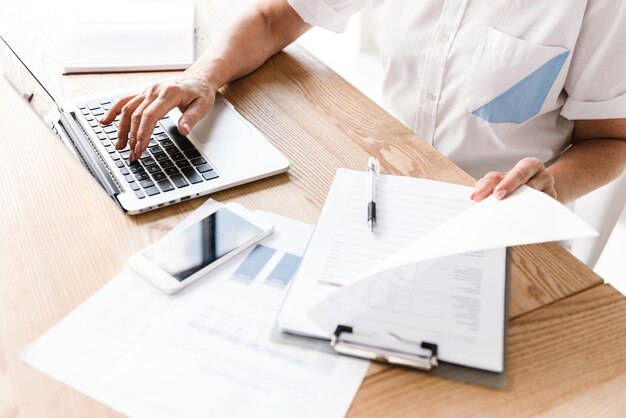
x=62, y=239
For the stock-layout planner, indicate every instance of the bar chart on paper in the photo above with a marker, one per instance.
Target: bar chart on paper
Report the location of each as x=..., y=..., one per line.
x=268, y=265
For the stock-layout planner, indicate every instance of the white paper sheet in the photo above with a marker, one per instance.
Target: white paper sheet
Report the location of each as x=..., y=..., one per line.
x=394, y=280
x=456, y=302
x=343, y=246
x=211, y=350
x=526, y=217
x=448, y=286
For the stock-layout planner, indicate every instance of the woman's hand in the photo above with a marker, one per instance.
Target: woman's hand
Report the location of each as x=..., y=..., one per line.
x=529, y=171
x=191, y=93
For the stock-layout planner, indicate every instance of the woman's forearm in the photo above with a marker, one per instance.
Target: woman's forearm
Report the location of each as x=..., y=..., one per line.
x=262, y=31
x=587, y=165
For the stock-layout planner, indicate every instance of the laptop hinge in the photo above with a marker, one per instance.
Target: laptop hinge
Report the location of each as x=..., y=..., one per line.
x=93, y=162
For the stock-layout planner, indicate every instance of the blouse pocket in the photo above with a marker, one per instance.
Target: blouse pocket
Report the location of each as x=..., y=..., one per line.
x=509, y=78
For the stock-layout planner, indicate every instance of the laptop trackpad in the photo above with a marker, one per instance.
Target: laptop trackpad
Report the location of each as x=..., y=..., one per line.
x=221, y=122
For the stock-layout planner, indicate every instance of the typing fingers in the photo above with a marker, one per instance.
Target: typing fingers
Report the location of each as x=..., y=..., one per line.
x=149, y=118
x=115, y=110
x=485, y=186
x=136, y=120
x=124, y=124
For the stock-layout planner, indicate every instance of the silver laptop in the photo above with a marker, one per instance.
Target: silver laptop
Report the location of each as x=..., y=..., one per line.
x=223, y=150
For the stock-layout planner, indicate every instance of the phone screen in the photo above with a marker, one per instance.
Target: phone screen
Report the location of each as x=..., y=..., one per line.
x=190, y=250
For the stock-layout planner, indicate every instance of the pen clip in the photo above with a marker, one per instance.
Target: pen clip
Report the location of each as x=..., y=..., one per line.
x=373, y=164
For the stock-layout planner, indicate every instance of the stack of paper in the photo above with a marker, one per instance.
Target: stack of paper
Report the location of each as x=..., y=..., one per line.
x=433, y=270
x=136, y=36
x=211, y=350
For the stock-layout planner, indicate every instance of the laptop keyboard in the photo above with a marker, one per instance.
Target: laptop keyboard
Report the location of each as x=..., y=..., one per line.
x=171, y=161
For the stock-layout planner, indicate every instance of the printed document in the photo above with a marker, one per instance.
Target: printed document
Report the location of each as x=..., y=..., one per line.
x=433, y=270
x=210, y=351
x=342, y=247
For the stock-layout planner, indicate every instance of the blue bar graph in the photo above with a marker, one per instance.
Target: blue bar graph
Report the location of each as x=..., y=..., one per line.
x=253, y=264
x=284, y=271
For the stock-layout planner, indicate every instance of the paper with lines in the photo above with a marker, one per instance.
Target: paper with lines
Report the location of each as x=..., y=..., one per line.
x=343, y=247
x=434, y=269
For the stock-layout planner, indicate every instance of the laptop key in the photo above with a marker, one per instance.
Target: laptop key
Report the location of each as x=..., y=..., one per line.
x=154, y=149
x=129, y=178
x=119, y=163
x=106, y=143
x=203, y=168
x=146, y=183
x=102, y=137
x=180, y=140
x=134, y=186
x=81, y=106
x=183, y=163
x=165, y=185
x=159, y=176
x=171, y=150
x=192, y=175
x=170, y=171
x=94, y=124
x=124, y=170
x=210, y=175
x=177, y=157
x=109, y=129
x=93, y=104
x=148, y=161
x=152, y=143
x=153, y=169
x=179, y=181
x=142, y=176
x=161, y=157
x=166, y=143
x=151, y=191
x=192, y=153
x=137, y=169
x=167, y=163
x=162, y=137
x=198, y=161
x=140, y=194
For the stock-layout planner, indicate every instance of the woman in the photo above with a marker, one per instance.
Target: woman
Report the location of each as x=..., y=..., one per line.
x=513, y=92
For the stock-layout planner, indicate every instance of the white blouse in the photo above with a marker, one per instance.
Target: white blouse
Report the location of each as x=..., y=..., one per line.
x=489, y=82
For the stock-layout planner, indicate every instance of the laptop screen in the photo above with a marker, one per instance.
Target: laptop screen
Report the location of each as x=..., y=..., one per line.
x=24, y=82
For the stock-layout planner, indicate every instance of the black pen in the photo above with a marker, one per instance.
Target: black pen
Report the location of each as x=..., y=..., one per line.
x=373, y=169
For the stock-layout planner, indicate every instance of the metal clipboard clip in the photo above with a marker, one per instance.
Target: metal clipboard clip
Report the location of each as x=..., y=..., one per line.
x=398, y=351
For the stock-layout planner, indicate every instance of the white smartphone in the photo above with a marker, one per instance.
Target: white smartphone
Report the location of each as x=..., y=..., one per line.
x=183, y=257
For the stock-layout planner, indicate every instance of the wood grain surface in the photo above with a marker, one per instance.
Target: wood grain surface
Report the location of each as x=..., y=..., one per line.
x=62, y=238
x=565, y=359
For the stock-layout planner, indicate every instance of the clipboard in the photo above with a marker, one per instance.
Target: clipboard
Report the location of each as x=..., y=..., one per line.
x=394, y=350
